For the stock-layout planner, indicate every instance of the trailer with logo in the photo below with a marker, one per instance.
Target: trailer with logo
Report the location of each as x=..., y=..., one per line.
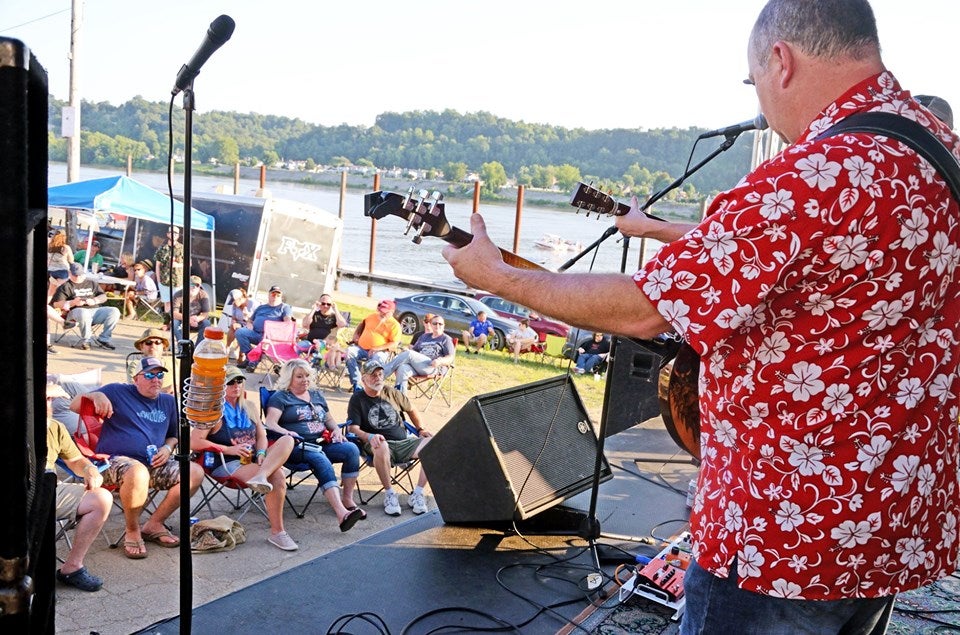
x=262, y=242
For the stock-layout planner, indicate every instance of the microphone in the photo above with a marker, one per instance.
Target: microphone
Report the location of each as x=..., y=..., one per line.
x=217, y=35
x=757, y=123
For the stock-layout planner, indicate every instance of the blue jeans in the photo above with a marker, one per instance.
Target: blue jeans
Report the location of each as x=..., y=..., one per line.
x=588, y=362
x=356, y=355
x=715, y=605
x=321, y=461
x=198, y=330
x=408, y=364
x=247, y=339
x=87, y=317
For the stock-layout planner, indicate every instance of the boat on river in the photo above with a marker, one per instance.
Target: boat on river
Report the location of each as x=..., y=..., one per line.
x=553, y=242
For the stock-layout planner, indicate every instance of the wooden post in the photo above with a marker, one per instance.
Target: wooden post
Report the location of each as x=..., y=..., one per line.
x=373, y=236
x=262, y=190
x=343, y=203
x=476, y=196
x=236, y=178
x=129, y=165
x=516, y=221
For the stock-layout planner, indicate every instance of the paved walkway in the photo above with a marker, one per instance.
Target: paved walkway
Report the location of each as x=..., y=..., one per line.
x=137, y=593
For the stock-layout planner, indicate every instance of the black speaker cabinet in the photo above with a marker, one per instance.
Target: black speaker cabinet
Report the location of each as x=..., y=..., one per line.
x=633, y=377
x=26, y=533
x=513, y=453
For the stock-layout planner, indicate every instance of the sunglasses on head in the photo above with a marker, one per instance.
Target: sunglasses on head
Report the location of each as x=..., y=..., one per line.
x=157, y=375
x=234, y=382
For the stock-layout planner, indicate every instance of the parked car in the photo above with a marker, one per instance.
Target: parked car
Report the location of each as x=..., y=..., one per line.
x=457, y=312
x=541, y=324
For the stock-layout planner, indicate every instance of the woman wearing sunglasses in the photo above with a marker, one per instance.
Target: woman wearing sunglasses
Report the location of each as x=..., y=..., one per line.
x=239, y=444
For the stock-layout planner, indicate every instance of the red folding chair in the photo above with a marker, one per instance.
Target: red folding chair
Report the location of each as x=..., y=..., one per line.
x=231, y=489
x=279, y=345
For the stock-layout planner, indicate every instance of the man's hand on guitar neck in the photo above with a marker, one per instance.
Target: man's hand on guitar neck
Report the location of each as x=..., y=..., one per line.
x=479, y=263
x=637, y=224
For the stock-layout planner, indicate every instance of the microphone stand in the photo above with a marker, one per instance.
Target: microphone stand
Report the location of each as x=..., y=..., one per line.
x=590, y=525
x=186, y=361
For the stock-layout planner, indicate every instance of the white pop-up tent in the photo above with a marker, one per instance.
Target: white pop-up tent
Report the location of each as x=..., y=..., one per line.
x=128, y=197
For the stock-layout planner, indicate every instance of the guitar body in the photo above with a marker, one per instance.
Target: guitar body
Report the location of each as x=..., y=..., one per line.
x=680, y=400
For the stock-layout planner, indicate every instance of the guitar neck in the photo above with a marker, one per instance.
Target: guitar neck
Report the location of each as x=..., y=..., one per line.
x=459, y=238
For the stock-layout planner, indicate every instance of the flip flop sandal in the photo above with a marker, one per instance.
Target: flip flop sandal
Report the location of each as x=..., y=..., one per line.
x=363, y=514
x=138, y=545
x=158, y=536
x=350, y=519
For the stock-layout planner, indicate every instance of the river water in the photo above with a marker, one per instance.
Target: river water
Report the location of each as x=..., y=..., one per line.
x=396, y=253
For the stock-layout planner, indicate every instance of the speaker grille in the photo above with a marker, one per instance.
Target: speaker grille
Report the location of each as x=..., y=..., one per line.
x=555, y=457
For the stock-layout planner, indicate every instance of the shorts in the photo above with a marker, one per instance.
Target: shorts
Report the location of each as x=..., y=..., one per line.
x=223, y=470
x=163, y=477
x=164, y=293
x=59, y=274
x=400, y=451
x=68, y=500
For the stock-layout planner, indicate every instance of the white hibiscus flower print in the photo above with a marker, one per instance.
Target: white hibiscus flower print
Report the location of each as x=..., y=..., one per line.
x=837, y=399
x=849, y=533
x=859, y=171
x=784, y=589
x=909, y=392
x=733, y=517
x=773, y=349
x=913, y=230
x=912, y=552
x=818, y=171
x=804, y=381
x=657, y=282
x=851, y=251
x=870, y=456
x=749, y=562
x=904, y=469
x=884, y=314
x=776, y=204
x=808, y=459
x=818, y=304
x=789, y=516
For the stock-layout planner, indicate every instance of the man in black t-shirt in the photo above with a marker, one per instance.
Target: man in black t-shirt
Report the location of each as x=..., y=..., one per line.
x=376, y=416
x=82, y=299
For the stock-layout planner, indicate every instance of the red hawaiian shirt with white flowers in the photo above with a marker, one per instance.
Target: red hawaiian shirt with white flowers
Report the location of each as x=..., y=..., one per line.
x=823, y=296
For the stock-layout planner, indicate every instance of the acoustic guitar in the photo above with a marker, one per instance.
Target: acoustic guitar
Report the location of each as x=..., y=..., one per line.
x=678, y=388
x=425, y=215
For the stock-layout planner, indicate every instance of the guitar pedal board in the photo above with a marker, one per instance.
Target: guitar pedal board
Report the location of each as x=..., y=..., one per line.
x=660, y=579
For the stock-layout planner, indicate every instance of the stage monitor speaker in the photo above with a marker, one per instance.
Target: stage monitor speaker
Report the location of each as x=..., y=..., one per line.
x=634, y=376
x=513, y=453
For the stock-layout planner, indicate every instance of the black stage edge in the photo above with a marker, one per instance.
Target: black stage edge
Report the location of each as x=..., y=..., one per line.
x=423, y=564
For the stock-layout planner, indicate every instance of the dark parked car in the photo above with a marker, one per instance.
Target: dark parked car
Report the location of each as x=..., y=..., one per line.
x=542, y=325
x=457, y=312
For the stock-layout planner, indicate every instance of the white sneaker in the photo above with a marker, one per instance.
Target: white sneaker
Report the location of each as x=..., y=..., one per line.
x=283, y=541
x=260, y=485
x=417, y=503
x=391, y=504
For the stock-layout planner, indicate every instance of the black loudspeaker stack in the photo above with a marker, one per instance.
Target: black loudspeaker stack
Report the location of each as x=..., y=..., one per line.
x=634, y=376
x=511, y=454
x=26, y=498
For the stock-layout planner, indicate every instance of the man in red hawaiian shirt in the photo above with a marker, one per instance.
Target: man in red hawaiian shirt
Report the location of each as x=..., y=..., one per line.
x=821, y=294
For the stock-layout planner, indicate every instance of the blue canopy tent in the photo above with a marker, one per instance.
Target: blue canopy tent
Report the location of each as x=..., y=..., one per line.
x=126, y=196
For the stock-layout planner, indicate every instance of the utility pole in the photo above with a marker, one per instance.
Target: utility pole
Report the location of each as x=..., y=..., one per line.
x=71, y=115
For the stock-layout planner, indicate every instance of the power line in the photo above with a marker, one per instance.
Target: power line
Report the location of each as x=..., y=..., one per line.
x=17, y=26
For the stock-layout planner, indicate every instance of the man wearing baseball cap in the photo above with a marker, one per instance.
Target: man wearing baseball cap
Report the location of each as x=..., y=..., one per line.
x=83, y=299
x=274, y=309
x=197, y=312
x=87, y=504
x=375, y=338
x=140, y=426
x=376, y=414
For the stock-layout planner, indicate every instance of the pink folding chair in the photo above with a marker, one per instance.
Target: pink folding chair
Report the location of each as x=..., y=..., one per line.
x=279, y=345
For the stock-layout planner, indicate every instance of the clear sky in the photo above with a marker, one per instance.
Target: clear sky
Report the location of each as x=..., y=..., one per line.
x=597, y=64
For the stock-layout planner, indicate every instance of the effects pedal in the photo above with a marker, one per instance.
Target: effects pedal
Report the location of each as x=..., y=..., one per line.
x=660, y=579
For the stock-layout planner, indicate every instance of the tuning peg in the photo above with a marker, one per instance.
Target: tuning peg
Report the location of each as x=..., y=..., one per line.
x=406, y=201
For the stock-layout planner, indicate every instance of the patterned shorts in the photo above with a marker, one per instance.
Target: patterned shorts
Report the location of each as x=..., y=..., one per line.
x=163, y=477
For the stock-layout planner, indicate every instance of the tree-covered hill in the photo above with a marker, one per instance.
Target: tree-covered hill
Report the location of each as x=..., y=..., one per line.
x=457, y=144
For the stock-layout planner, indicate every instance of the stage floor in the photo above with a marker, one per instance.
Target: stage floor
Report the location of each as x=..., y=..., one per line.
x=423, y=566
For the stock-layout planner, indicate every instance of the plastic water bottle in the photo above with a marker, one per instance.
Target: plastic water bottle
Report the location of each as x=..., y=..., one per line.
x=204, y=400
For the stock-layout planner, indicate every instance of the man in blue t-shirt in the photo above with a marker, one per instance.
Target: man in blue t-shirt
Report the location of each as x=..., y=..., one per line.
x=432, y=351
x=477, y=333
x=250, y=335
x=139, y=433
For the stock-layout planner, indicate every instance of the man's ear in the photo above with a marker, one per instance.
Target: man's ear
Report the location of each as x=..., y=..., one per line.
x=784, y=61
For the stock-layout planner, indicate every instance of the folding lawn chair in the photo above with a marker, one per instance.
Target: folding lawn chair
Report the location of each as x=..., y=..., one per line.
x=279, y=345
x=298, y=472
x=431, y=386
x=400, y=473
x=333, y=377
x=231, y=489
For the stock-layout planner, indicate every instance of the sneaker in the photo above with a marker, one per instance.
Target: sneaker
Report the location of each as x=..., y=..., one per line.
x=81, y=579
x=391, y=504
x=580, y=371
x=283, y=541
x=105, y=344
x=260, y=485
x=69, y=324
x=84, y=346
x=51, y=350
x=244, y=365
x=417, y=503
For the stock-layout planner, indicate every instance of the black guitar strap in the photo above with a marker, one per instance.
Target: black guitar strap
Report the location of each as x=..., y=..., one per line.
x=909, y=132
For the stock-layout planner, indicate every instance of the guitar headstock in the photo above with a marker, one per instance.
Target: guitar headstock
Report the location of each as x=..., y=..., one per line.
x=423, y=211
x=591, y=200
